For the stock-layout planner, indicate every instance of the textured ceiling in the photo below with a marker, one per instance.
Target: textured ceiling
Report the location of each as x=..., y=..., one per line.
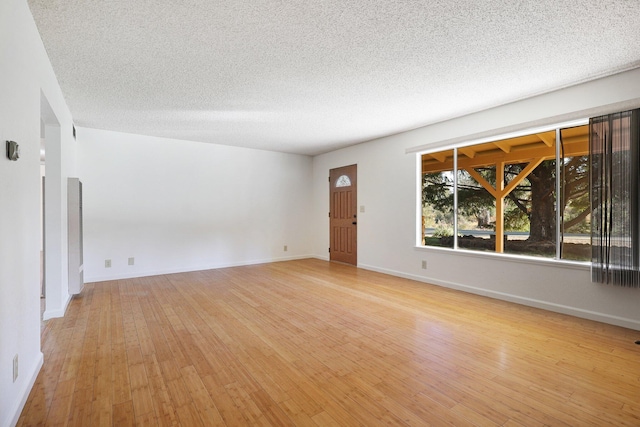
x=310, y=76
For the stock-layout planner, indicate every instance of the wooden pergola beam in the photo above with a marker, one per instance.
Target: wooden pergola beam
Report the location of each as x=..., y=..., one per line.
x=440, y=156
x=480, y=180
x=547, y=139
x=504, y=146
x=501, y=191
x=524, y=173
x=467, y=151
x=523, y=154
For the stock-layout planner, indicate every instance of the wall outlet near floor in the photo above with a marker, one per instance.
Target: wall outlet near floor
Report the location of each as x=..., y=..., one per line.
x=15, y=368
x=107, y=263
x=424, y=264
x=285, y=248
x=132, y=261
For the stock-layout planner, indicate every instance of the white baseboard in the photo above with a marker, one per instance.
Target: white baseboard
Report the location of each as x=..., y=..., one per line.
x=121, y=276
x=545, y=305
x=23, y=394
x=50, y=314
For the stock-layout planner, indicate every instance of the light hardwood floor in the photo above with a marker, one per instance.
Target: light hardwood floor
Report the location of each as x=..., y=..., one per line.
x=313, y=343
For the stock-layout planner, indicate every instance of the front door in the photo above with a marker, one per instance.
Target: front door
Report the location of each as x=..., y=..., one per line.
x=343, y=218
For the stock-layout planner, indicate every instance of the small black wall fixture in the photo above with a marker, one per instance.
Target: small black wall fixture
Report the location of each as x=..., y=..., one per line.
x=13, y=150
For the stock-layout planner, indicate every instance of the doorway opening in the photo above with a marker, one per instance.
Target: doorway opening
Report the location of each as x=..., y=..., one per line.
x=51, y=288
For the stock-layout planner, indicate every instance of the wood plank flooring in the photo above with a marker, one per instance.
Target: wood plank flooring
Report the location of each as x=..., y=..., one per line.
x=312, y=343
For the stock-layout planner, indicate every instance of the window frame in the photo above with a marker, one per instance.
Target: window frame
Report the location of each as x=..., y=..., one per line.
x=557, y=127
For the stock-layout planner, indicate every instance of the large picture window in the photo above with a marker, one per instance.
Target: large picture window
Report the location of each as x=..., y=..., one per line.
x=504, y=197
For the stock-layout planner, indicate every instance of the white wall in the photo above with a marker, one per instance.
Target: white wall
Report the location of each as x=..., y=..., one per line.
x=180, y=205
x=25, y=74
x=387, y=188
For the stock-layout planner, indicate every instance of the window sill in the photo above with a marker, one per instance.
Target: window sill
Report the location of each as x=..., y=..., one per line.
x=548, y=262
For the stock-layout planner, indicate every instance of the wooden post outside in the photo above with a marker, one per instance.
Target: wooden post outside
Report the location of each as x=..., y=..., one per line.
x=499, y=207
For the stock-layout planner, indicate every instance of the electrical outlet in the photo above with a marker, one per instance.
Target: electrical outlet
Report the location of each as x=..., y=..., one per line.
x=424, y=264
x=285, y=248
x=131, y=261
x=107, y=263
x=15, y=368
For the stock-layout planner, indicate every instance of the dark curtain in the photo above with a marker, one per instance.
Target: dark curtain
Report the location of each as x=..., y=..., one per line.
x=614, y=143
